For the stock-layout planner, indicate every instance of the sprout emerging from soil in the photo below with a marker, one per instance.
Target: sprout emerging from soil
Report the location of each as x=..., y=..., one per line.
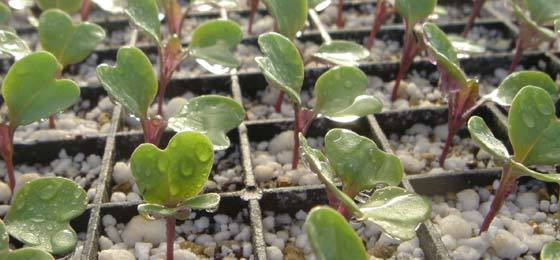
x=533, y=16
x=360, y=165
x=212, y=42
x=533, y=130
x=413, y=12
x=340, y=91
x=31, y=95
x=170, y=180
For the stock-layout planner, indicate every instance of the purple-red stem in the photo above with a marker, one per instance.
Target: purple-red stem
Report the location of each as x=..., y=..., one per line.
x=52, y=122
x=297, y=130
x=477, y=6
x=339, y=14
x=7, y=152
x=507, y=182
x=379, y=19
x=254, y=4
x=86, y=8
x=153, y=130
x=409, y=51
x=170, y=233
x=519, y=48
x=279, y=101
x=174, y=17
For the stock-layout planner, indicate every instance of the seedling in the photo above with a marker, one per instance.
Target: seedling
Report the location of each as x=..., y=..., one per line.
x=360, y=165
x=289, y=15
x=41, y=213
x=212, y=42
x=476, y=8
x=382, y=10
x=463, y=93
x=332, y=237
x=413, y=12
x=340, y=91
x=533, y=129
x=132, y=82
x=20, y=254
x=532, y=16
x=170, y=180
x=551, y=250
x=30, y=95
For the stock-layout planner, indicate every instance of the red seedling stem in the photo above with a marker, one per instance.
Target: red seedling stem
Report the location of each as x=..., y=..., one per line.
x=254, y=4
x=409, y=52
x=7, y=152
x=279, y=101
x=519, y=48
x=52, y=122
x=153, y=130
x=507, y=184
x=170, y=59
x=174, y=16
x=339, y=14
x=303, y=119
x=380, y=15
x=170, y=234
x=86, y=8
x=477, y=6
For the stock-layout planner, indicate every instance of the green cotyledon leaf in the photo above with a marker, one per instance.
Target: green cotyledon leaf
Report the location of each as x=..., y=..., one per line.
x=551, y=250
x=169, y=177
x=533, y=127
x=282, y=64
x=484, y=137
x=32, y=94
x=68, y=42
x=13, y=45
x=68, y=6
x=341, y=95
x=543, y=10
x=215, y=41
x=513, y=83
x=332, y=237
x=144, y=14
x=415, y=10
x=344, y=53
x=211, y=115
x=20, y=254
x=41, y=213
x=132, y=82
x=290, y=15
x=359, y=163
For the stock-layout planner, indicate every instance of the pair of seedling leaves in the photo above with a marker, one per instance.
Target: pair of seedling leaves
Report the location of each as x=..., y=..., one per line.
x=40, y=217
x=445, y=56
x=340, y=91
x=534, y=16
x=360, y=165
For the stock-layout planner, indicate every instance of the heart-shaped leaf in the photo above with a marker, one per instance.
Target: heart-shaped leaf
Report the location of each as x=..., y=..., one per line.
x=132, y=82
x=551, y=251
x=332, y=237
x=5, y=14
x=341, y=95
x=511, y=85
x=69, y=43
x=290, y=15
x=359, y=163
x=484, y=137
x=215, y=41
x=211, y=115
x=442, y=50
x=397, y=211
x=543, y=10
x=414, y=11
x=32, y=93
x=344, y=53
x=534, y=128
x=11, y=44
x=144, y=14
x=168, y=177
x=282, y=65
x=68, y=6
x=41, y=212
x=26, y=254
x=111, y=6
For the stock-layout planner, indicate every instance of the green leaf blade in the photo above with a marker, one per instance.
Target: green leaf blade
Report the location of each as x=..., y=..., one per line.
x=484, y=137
x=32, y=94
x=132, y=82
x=343, y=53
x=551, y=251
x=513, y=83
x=70, y=43
x=145, y=15
x=396, y=211
x=360, y=163
x=168, y=177
x=41, y=213
x=68, y=6
x=290, y=15
x=203, y=201
x=13, y=45
x=442, y=50
x=211, y=115
x=332, y=237
x=533, y=127
x=415, y=10
x=215, y=41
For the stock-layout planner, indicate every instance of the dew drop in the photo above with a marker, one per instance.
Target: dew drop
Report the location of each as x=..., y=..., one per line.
x=63, y=240
x=202, y=153
x=48, y=192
